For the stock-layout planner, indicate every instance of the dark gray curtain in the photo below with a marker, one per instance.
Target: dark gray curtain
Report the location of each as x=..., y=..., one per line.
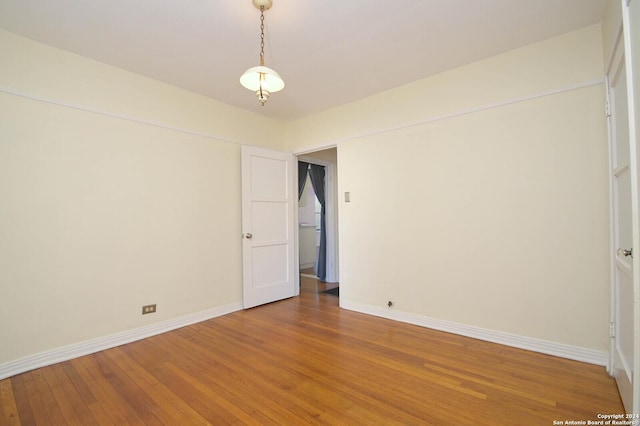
x=302, y=177
x=316, y=173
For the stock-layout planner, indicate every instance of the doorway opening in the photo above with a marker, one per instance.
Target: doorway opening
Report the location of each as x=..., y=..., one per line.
x=318, y=218
x=309, y=229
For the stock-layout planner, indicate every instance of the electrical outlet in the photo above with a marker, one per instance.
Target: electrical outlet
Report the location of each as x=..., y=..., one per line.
x=148, y=309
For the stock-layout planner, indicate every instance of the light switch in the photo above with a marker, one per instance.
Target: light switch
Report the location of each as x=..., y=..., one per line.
x=347, y=197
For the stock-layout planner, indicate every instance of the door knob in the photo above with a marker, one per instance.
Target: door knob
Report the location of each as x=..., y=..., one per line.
x=248, y=235
x=625, y=252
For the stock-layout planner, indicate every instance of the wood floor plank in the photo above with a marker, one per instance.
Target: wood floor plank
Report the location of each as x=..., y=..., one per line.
x=174, y=408
x=21, y=395
x=135, y=398
x=305, y=361
x=78, y=382
x=8, y=408
x=42, y=400
x=64, y=393
x=110, y=407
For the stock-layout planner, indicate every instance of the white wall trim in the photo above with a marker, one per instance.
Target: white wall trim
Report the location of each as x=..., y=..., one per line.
x=120, y=116
x=537, y=345
x=76, y=350
x=480, y=108
x=318, y=146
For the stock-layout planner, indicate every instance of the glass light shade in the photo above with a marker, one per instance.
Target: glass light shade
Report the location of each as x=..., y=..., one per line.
x=271, y=80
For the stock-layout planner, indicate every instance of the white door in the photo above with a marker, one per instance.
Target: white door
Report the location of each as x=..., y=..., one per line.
x=268, y=202
x=623, y=321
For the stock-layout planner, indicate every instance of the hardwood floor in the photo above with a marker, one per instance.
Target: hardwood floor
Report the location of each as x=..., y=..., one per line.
x=305, y=361
x=308, y=271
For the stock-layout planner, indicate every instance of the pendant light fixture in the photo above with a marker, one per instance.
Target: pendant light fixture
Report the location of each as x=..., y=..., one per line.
x=262, y=80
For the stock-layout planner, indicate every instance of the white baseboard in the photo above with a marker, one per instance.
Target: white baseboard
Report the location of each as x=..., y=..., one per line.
x=66, y=353
x=537, y=345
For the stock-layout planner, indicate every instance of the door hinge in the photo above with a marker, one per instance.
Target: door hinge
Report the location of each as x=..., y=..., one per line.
x=612, y=329
x=607, y=109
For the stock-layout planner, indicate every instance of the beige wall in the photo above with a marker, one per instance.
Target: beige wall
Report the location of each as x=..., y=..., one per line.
x=100, y=215
x=494, y=218
x=497, y=218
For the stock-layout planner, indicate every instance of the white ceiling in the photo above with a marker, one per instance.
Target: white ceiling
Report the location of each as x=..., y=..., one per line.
x=329, y=52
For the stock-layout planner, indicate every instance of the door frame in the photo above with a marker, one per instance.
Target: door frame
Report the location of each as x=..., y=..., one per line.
x=632, y=62
x=622, y=51
x=620, y=365
x=613, y=68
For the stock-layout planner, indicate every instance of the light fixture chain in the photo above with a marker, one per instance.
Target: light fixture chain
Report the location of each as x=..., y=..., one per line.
x=262, y=35
x=262, y=80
